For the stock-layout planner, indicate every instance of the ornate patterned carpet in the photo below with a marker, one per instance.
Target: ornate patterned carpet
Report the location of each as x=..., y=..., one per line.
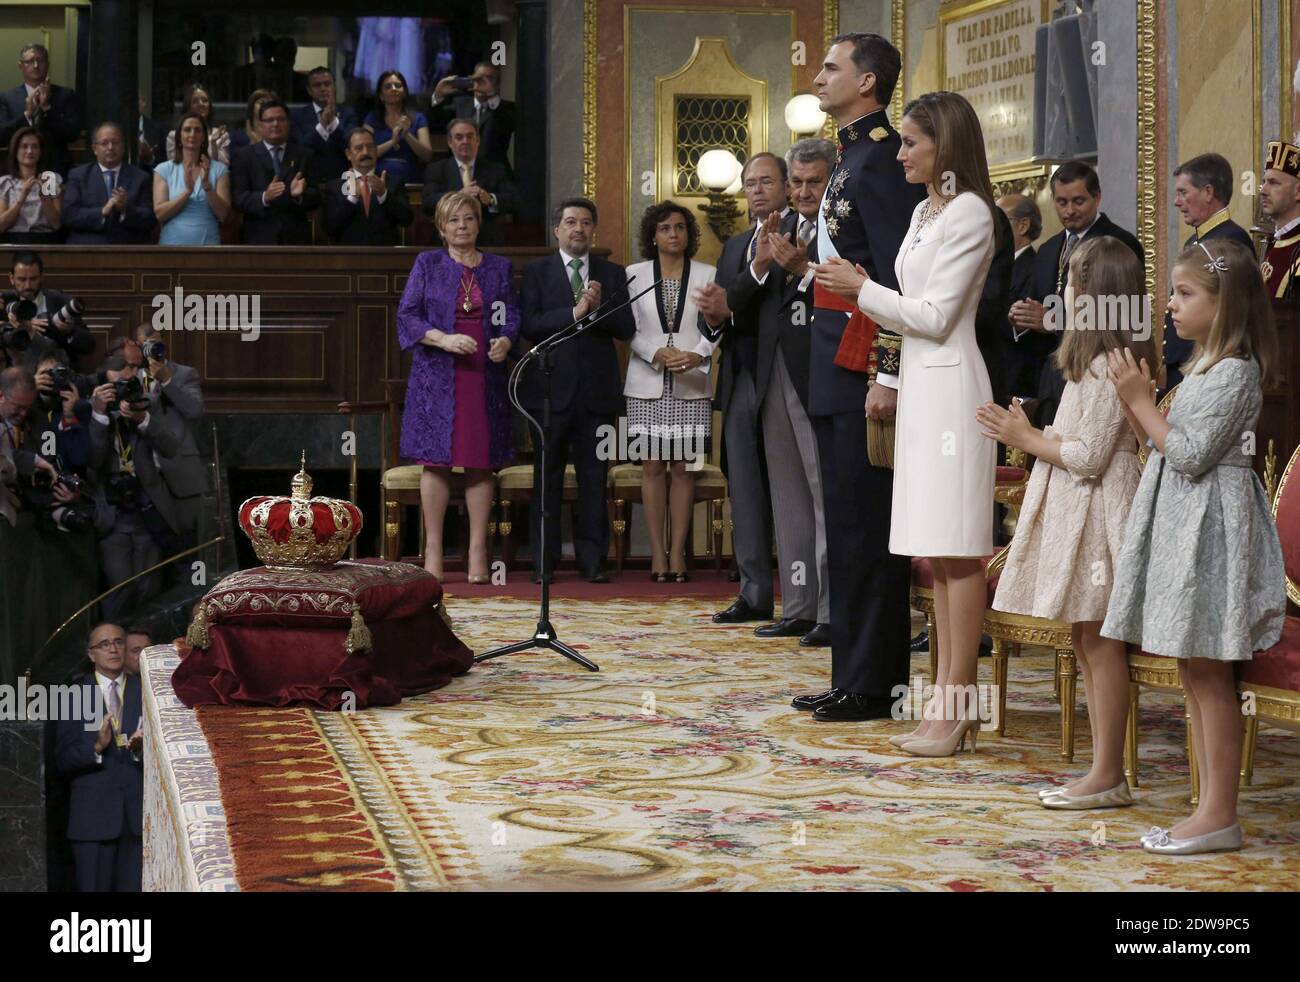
x=681, y=766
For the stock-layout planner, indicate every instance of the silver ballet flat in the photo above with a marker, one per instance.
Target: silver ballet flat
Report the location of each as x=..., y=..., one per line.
x=1224, y=840
x=1116, y=797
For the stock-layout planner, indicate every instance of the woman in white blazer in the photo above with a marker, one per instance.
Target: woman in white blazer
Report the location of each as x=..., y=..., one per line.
x=668, y=389
x=943, y=468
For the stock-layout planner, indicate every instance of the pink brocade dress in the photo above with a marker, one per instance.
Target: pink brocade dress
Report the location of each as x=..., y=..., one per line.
x=471, y=442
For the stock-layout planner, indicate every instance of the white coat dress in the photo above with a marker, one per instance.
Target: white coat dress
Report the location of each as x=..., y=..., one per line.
x=943, y=464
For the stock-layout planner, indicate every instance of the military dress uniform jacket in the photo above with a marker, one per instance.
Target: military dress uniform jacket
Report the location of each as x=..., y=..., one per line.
x=865, y=213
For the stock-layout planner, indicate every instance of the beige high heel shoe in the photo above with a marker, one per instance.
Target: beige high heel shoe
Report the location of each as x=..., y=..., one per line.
x=947, y=746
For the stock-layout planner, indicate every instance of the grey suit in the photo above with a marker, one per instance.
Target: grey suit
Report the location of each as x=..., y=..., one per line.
x=180, y=402
x=790, y=446
x=130, y=547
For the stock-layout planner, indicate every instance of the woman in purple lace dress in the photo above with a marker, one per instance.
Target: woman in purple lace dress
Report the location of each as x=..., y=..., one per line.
x=459, y=316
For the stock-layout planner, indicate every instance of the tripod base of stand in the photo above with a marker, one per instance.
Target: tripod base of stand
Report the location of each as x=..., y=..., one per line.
x=543, y=638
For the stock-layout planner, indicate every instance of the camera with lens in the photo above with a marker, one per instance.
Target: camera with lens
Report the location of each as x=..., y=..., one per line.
x=61, y=376
x=45, y=480
x=154, y=350
x=123, y=490
x=14, y=337
x=75, y=518
x=68, y=314
x=127, y=392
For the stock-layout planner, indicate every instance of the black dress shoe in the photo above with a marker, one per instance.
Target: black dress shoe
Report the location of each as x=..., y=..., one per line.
x=596, y=576
x=809, y=703
x=818, y=637
x=921, y=642
x=786, y=627
x=741, y=611
x=850, y=707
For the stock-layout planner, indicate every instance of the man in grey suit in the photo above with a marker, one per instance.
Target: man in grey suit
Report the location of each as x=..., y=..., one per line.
x=179, y=399
x=738, y=396
x=778, y=286
x=128, y=440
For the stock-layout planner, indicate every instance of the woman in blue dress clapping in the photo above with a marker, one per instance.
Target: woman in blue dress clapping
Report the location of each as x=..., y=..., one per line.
x=191, y=192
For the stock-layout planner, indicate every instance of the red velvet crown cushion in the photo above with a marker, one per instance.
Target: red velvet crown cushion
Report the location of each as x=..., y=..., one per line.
x=280, y=638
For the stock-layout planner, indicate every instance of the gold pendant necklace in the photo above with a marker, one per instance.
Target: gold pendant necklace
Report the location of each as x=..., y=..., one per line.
x=467, y=284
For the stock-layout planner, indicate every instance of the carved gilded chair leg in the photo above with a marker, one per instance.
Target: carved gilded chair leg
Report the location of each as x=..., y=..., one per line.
x=715, y=520
x=1248, y=750
x=1193, y=768
x=1067, y=673
x=392, y=529
x=932, y=641
x=1131, y=737
x=507, y=540
x=618, y=523
x=1000, y=683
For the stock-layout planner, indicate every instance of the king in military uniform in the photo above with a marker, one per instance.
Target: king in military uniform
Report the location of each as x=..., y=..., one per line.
x=864, y=216
x=1279, y=197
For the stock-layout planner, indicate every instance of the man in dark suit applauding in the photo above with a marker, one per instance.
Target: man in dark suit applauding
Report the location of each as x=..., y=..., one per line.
x=727, y=305
x=494, y=116
x=1076, y=193
x=865, y=214
x=465, y=171
x=582, y=378
x=270, y=184
x=1022, y=351
x=109, y=202
x=359, y=207
x=50, y=108
x=104, y=766
x=322, y=126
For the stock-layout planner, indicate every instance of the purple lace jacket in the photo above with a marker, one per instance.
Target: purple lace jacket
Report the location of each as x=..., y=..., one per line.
x=429, y=301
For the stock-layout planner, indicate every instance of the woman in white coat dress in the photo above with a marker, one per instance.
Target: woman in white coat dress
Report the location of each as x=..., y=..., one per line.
x=669, y=404
x=943, y=466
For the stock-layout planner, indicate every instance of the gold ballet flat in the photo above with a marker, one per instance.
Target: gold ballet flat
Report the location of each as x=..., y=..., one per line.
x=1159, y=841
x=1116, y=797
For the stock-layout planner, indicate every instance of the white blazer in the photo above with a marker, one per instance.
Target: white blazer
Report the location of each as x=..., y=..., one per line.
x=943, y=464
x=645, y=378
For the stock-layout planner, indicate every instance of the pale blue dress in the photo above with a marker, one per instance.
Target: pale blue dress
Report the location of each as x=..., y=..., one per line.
x=1200, y=574
x=195, y=224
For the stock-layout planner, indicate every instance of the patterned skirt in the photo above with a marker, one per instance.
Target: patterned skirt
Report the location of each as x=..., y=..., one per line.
x=668, y=428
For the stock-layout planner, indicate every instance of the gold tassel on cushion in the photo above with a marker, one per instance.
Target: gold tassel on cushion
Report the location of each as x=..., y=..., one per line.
x=196, y=636
x=880, y=443
x=359, y=638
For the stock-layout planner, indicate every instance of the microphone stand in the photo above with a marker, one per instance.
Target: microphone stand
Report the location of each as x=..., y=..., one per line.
x=544, y=635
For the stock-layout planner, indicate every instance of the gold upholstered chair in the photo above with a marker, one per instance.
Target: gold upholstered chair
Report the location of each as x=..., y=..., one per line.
x=625, y=489
x=515, y=487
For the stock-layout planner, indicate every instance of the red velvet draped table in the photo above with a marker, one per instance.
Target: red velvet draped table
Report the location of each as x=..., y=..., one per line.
x=363, y=633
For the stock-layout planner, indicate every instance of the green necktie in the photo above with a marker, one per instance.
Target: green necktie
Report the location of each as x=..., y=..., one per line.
x=576, y=279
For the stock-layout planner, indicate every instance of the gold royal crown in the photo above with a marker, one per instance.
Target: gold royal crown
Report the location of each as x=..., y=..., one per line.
x=299, y=532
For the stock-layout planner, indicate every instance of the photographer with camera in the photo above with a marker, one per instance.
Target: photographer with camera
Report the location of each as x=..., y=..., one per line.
x=60, y=434
x=36, y=319
x=129, y=438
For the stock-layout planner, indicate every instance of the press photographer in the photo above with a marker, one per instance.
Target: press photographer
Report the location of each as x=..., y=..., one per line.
x=62, y=412
x=130, y=437
x=36, y=318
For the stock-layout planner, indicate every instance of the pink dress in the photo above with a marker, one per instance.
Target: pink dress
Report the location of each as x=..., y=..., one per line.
x=470, y=439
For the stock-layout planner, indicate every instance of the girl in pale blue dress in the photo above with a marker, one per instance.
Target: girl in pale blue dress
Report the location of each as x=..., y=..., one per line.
x=191, y=192
x=1200, y=576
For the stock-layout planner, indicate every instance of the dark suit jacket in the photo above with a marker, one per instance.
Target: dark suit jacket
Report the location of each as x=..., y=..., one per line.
x=84, y=196
x=991, y=324
x=774, y=305
x=108, y=797
x=443, y=176
x=155, y=133
x=1176, y=349
x=60, y=124
x=348, y=224
x=584, y=373
x=165, y=435
x=1051, y=383
x=284, y=220
x=1022, y=359
x=328, y=160
x=495, y=130
x=738, y=337
x=880, y=203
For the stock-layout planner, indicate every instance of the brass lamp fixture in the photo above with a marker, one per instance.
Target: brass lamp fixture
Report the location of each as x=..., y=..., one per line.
x=719, y=172
x=804, y=116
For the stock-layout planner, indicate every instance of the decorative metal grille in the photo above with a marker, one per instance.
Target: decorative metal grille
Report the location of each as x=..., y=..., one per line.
x=707, y=123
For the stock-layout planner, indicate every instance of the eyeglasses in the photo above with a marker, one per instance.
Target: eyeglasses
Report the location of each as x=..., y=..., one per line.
x=109, y=643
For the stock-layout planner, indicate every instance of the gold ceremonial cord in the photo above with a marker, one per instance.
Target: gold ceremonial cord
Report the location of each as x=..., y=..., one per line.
x=112, y=590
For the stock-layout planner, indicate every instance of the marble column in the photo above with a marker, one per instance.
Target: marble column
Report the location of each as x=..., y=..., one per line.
x=1117, y=143
x=22, y=807
x=530, y=127
x=113, y=71
x=564, y=101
